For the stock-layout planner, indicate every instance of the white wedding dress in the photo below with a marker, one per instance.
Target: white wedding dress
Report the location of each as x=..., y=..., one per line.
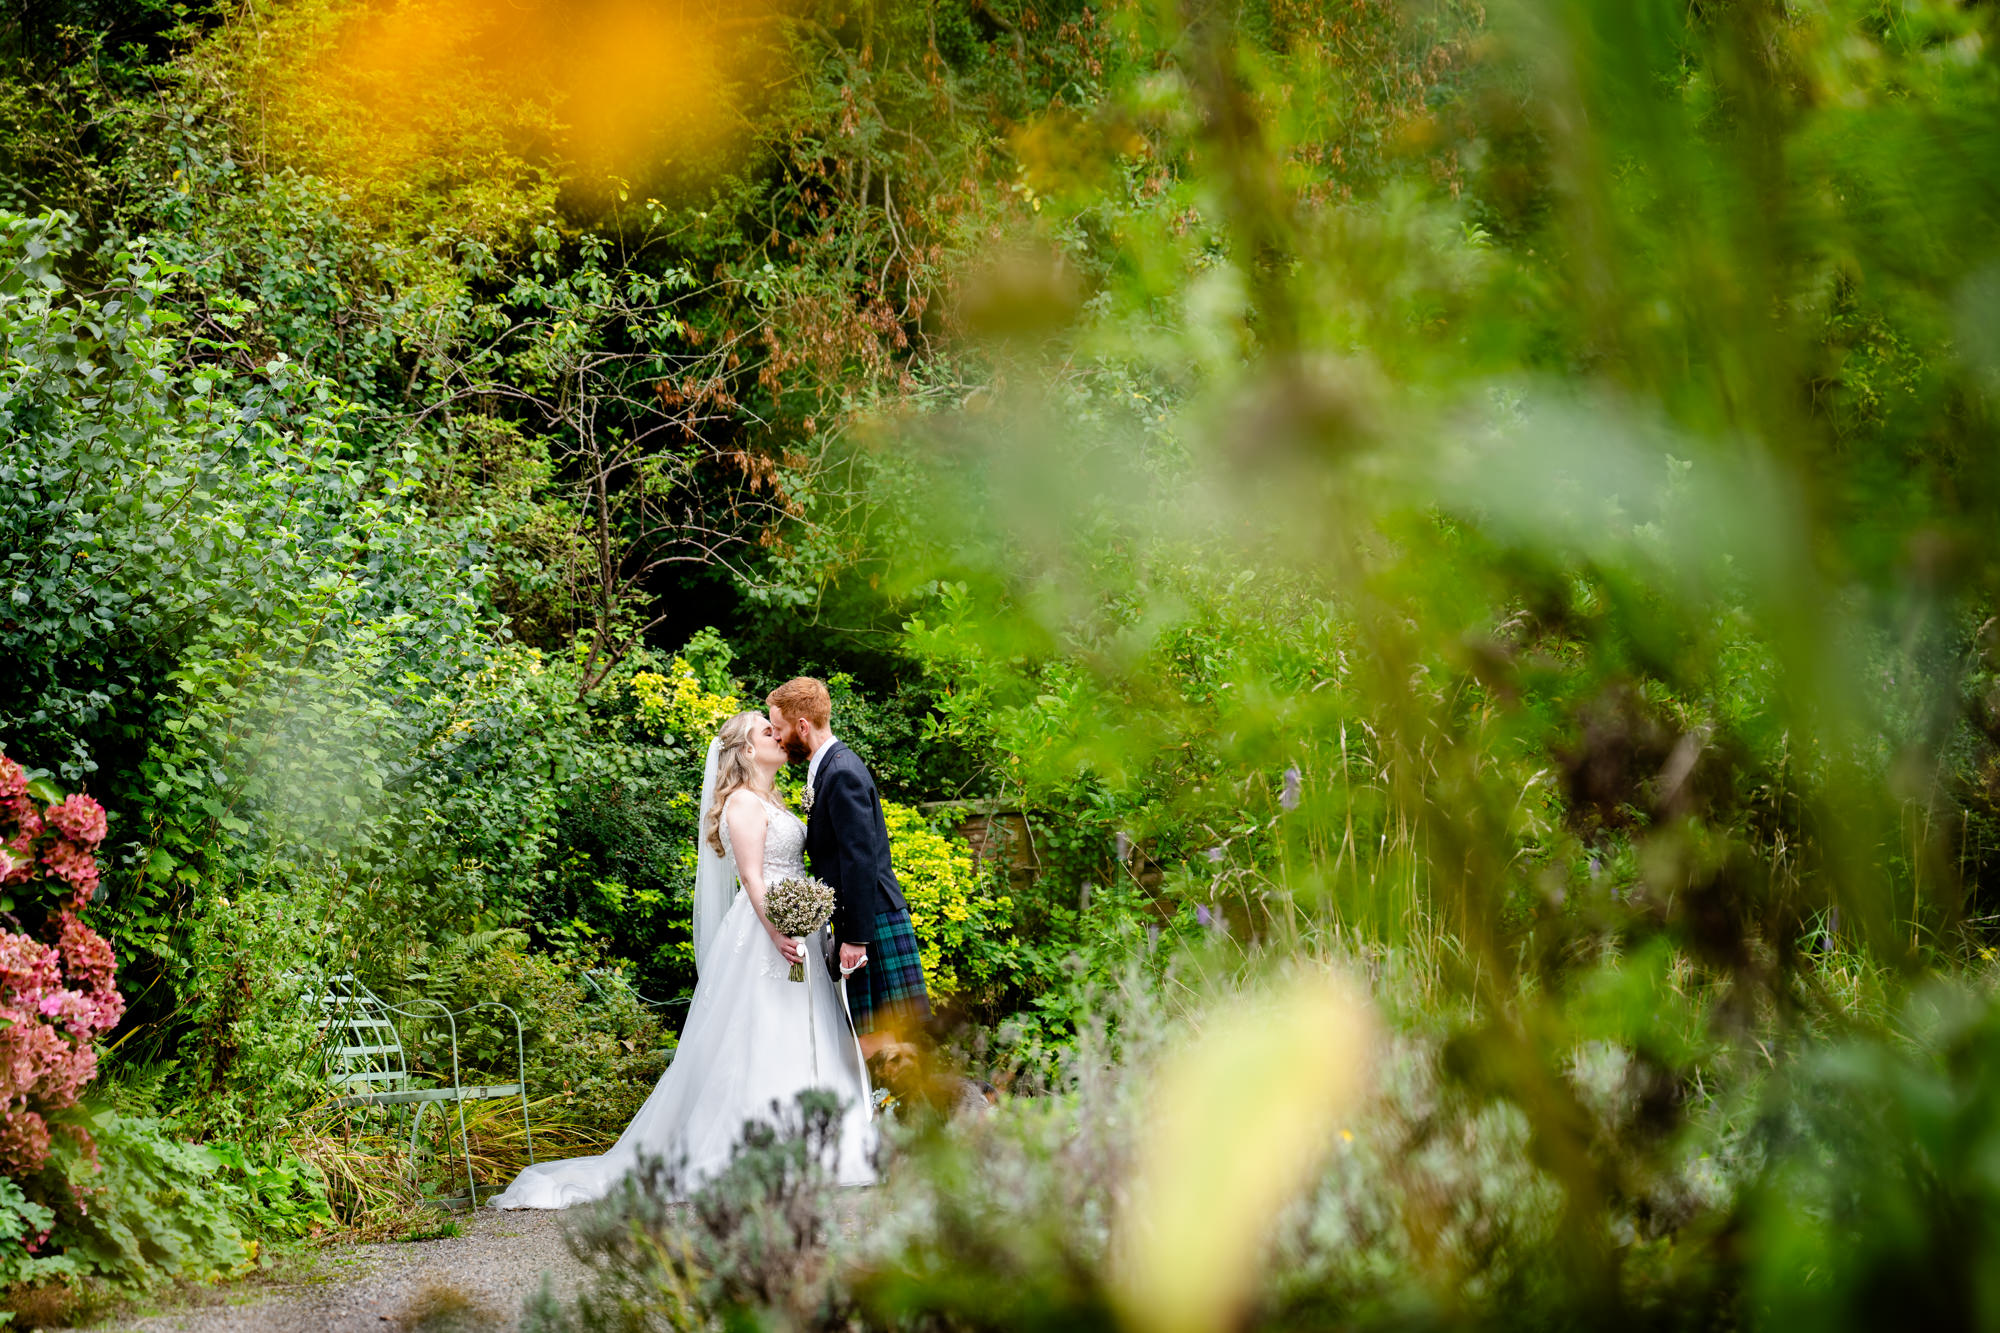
x=753, y=1037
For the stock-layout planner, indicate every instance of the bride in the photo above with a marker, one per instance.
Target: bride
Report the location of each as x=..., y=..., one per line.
x=752, y=1036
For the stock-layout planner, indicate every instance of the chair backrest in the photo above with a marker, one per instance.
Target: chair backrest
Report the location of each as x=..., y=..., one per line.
x=605, y=982
x=359, y=1048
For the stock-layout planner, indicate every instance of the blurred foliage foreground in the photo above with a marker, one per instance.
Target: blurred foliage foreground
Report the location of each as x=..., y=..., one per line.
x=1552, y=578
x=1465, y=529
x=1545, y=582
x=1279, y=1157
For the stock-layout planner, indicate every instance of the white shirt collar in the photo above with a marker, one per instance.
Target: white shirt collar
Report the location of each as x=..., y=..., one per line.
x=812, y=765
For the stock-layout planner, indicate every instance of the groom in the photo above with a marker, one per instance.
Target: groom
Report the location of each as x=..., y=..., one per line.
x=848, y=846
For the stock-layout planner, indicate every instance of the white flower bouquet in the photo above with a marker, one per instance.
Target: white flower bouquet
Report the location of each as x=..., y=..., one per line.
x=798, y=905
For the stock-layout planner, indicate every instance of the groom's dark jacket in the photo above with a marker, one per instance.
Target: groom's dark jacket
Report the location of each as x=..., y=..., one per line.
x=848, y=845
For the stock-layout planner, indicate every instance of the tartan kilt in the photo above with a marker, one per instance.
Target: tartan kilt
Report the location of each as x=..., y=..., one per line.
x=889, y=992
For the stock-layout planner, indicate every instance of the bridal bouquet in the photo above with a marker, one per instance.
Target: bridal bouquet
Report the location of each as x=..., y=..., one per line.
x=798, y=905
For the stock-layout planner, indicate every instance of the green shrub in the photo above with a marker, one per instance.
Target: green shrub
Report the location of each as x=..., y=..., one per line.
x=752, y=1251
x=619, y=869
x=890, y=728
x=960, y=921
x=601, y=1053
x=153, y=1208
x=272, y=1192
x=158, y=1209
x=622, y=871
x=24, y=1229
x=678, y=703
x=195, y=631
x=1880, y=1206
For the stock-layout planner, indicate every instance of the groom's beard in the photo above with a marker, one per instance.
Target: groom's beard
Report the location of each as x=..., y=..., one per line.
x=796, y=749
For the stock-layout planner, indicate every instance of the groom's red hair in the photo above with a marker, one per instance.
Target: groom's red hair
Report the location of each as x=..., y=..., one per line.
x=803, y=697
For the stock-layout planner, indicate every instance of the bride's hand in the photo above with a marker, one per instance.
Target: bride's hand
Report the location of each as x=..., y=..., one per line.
x=786, y=945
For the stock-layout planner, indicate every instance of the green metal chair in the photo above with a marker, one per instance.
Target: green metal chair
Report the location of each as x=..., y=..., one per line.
x=604, y=982
x=362, y=1055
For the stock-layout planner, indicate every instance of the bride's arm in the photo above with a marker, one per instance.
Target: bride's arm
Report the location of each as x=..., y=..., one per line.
x=747, y=818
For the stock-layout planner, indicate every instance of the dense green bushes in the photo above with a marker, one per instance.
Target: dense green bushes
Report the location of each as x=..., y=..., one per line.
x=150, y=1207
x=163, y=1209
x=1493, y=567
x=327, y=496
x=228, y=621
x=318, y=580
x=1501, y=487
x=1379, y=581
x=958, y=917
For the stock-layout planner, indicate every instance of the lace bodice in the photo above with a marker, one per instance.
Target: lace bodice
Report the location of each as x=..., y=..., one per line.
x=784, y=843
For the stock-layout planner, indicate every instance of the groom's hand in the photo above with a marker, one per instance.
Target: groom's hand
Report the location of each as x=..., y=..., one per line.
x=853, y=956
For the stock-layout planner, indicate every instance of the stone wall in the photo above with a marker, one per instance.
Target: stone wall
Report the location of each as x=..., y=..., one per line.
x=996, y=832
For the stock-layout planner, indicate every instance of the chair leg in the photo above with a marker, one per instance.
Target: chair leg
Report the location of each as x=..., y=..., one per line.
x=416, y=1123
x=465, y=1146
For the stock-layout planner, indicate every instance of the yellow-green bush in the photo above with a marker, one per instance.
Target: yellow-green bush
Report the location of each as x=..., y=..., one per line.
x=677, y=703
x=956, y=915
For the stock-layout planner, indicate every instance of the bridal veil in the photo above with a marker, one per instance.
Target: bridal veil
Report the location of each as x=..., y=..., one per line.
x=714, y=873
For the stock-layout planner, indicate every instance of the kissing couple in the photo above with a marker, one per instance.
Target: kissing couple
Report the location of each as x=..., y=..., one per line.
x=754, y=1039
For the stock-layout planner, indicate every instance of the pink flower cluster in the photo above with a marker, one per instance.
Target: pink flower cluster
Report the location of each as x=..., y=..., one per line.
x=57, y=993
x=17, y=811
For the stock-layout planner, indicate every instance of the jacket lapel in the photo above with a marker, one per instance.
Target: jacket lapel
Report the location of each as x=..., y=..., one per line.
x=833, y=749
x=827, y=758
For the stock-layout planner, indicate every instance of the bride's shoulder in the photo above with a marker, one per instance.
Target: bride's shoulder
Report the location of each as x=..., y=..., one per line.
x=744, y=801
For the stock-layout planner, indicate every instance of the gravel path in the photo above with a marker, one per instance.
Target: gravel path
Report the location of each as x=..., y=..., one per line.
x=475, y=1280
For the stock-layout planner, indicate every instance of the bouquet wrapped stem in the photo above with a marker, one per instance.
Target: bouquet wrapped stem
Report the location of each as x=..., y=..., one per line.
x=798, y=905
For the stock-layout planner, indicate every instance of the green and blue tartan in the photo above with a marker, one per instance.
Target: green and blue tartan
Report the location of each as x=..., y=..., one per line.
x=890, y=990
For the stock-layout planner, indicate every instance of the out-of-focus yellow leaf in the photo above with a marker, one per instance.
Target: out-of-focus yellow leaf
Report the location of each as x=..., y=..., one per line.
x=1241, y=1121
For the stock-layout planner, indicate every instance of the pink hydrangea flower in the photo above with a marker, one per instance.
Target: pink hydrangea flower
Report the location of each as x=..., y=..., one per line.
x=20, y=862
x=77, y=1012
x=82, y=1013
x=27, y=967
x=37, y=1063
x=86, y=956
x=79, y=819
x=24, y=1139
x=16, y=806
x=57, y=993
x=74, y=866
x=27, y=821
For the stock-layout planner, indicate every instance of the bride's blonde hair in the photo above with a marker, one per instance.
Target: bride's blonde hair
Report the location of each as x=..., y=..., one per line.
x=734, y=770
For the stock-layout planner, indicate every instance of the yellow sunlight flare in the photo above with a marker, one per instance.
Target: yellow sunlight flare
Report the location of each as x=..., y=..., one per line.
x=457, y=96
x=1241, y=1121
